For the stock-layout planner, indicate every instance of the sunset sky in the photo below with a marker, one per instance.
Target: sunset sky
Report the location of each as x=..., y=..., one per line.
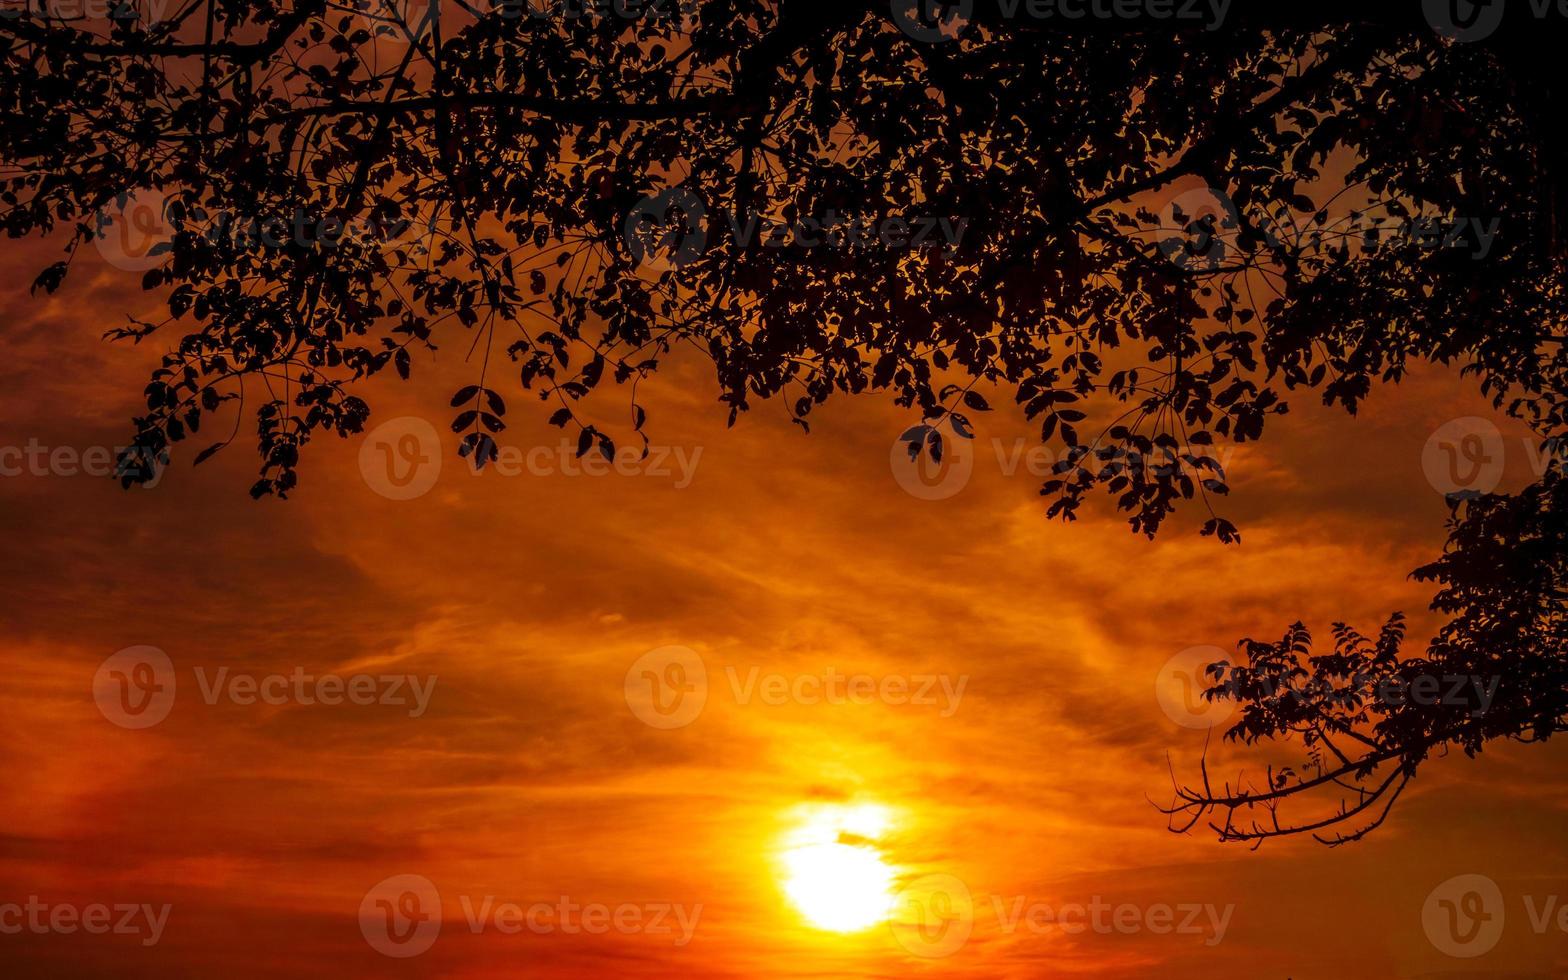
x=535, y=601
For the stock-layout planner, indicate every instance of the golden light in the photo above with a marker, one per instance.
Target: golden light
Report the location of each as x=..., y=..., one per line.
x=834, y=873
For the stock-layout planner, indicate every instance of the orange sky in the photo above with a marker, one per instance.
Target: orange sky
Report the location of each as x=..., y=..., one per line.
x=529, y=777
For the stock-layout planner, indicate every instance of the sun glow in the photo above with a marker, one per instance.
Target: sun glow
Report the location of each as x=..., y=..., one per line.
x=834, y=872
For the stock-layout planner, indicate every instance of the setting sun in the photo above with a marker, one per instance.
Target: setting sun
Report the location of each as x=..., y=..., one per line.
x=834, y=872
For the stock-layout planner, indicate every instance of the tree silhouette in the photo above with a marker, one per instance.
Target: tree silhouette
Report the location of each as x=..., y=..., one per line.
x=1162, y=217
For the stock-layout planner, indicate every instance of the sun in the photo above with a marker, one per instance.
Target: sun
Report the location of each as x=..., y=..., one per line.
x=839, y=887
x=834, y=873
